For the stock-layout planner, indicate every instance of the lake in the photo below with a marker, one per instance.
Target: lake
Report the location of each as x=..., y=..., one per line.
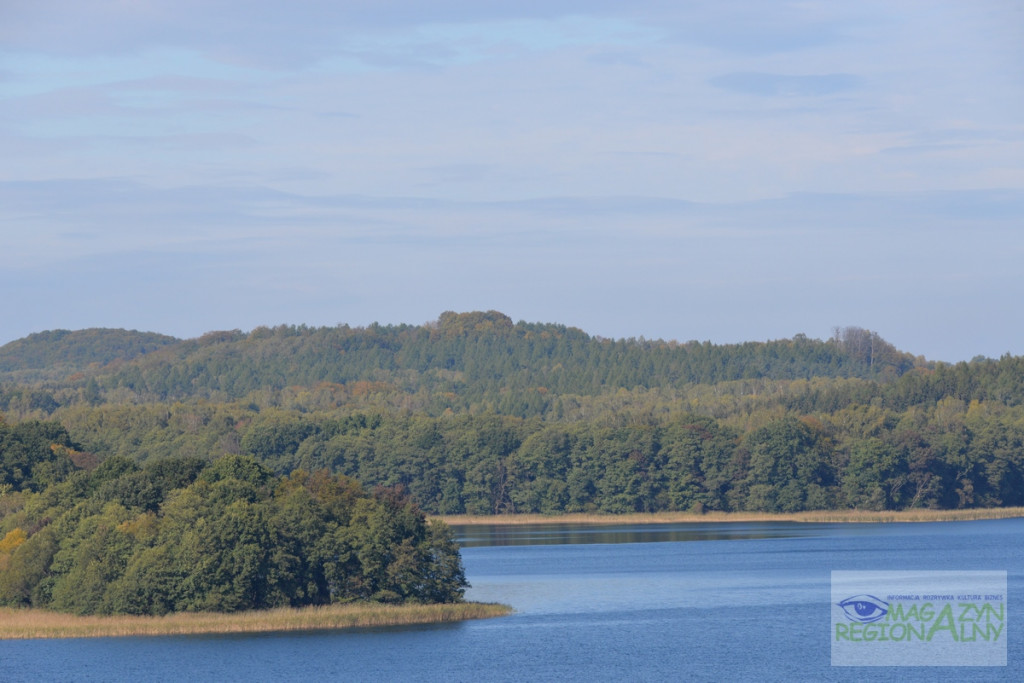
x=702, y=602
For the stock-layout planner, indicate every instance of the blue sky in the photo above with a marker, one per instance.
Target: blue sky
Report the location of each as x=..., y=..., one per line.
x=713, y=170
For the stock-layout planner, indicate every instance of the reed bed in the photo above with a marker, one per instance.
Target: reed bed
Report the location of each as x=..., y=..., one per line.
x=816, y=516
x=36, y=623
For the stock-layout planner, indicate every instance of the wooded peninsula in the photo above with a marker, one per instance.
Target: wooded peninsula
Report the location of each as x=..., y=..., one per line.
x=127, y=459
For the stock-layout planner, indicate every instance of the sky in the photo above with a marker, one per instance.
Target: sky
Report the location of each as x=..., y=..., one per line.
x=722, y=170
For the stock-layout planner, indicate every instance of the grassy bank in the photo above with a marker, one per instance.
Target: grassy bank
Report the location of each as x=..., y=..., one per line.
x=862, y=516
x=34, y=623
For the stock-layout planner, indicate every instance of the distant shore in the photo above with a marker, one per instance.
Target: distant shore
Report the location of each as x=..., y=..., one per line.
x=815, y=516
x=36, y=623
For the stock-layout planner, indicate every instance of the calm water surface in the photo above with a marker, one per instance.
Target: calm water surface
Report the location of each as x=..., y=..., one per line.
x=702, y=602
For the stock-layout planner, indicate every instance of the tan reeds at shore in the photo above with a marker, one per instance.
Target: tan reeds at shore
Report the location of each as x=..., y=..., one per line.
x=817, y=516
x=35, y=623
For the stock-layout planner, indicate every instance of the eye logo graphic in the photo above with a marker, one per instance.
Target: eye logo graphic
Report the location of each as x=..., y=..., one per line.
x=864, y=608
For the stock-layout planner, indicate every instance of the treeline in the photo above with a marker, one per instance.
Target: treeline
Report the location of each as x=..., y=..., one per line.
x=463, y=362
x=627, y=456
x=182, y=534
x=476, y=363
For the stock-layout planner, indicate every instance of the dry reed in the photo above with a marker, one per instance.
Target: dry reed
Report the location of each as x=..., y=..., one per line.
x=815, y=516
x=36, y=623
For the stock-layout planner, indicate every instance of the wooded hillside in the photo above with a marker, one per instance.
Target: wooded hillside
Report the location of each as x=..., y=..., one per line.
x=476, y=413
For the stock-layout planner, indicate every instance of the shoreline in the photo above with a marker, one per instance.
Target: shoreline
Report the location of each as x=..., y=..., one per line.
x=28, y=623
x=813, y=516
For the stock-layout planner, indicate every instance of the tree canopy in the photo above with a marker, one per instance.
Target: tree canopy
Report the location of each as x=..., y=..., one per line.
x=181, y=534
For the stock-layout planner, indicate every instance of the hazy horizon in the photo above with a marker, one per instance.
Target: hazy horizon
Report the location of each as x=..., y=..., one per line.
x=722, y=171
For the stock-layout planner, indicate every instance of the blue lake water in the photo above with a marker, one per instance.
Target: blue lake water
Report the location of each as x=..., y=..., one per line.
x=702, y=602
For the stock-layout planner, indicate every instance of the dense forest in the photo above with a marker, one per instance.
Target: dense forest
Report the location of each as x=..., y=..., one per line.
x=185, y=534
x=470, y=361
x=475, y=413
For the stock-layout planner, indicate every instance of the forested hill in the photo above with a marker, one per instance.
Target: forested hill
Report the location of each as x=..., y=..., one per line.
x=479, y=360
x=58, y=353
x=475, y=413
